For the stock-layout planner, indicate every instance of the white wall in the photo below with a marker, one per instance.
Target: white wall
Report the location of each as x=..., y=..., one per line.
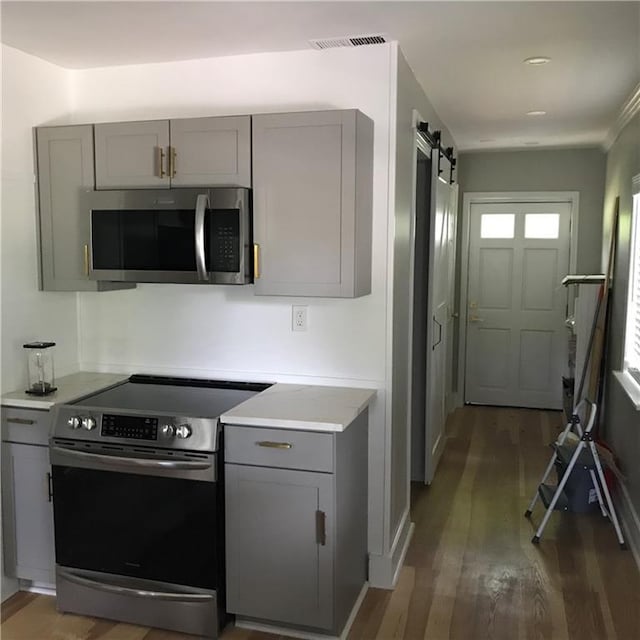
x=409, y=98
x=33, y=92
x=227, y=331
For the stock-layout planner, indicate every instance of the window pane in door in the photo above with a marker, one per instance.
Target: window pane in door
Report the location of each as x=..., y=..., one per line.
x=497, y=225
x=542, y=225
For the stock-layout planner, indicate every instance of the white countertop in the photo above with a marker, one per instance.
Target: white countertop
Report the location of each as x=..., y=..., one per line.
x=303, y=407
x=70, y=388
x=284, y=406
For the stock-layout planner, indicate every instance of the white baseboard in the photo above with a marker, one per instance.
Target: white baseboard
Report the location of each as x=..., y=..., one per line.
x=384, y=569
x=306, y=635
x=629, y=521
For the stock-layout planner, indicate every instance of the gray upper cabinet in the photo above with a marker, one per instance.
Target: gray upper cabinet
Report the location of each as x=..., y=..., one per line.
x=190, y=152
x=313, y=182
x=211, y=151
x=132, y=155
x=64, y=157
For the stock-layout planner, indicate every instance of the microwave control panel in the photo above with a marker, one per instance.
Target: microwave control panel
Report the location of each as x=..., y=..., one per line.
x=225, y=249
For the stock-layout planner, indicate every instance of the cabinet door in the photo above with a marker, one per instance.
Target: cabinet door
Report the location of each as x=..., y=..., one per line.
x=27, y=512
x=312, y=177
x=65, y=168
x=65, y=171
x=279, y=567
x=132, y=155
x=211, y=152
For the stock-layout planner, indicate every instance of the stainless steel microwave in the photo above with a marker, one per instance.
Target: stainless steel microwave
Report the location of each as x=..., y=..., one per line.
x=197, y=236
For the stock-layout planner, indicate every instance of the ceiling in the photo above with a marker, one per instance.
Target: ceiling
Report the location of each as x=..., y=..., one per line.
x=468, y=56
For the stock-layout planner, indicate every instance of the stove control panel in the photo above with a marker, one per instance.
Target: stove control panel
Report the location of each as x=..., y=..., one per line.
x=132, y=427
x=135, y=428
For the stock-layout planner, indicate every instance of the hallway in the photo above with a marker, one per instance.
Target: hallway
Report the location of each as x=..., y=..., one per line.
x=471, y=572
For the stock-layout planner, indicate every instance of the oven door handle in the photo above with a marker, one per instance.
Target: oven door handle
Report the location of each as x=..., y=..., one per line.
x=128, y=591
x=136, y=463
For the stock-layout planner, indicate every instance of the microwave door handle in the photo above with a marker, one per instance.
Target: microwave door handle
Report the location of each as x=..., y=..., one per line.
x=202, y=202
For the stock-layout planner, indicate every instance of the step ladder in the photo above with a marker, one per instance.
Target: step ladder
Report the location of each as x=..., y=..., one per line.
x=583, y=455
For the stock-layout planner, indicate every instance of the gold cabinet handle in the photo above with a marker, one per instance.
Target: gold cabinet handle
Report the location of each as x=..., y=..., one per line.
x=160, y=159
x=274, y=445
x=86, y=260
x=172, y=162
x=256, y=261
x=20, y=421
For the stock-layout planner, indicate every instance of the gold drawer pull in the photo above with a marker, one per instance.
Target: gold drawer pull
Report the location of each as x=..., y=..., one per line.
x=86, y=260
x=274, y=445
x=21, y=421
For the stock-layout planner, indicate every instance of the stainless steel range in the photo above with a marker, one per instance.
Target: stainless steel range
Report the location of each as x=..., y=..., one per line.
x=138, y=502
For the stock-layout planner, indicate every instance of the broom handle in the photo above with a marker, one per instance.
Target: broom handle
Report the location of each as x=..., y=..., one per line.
x=585, y=366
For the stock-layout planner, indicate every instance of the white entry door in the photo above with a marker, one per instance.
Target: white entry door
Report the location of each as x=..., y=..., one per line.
x=516, y=337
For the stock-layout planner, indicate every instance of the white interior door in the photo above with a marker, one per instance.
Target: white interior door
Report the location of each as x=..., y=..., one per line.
x=516, y=338
x=438, y=338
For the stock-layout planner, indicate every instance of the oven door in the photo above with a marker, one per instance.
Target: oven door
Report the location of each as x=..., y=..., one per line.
x=148, y=518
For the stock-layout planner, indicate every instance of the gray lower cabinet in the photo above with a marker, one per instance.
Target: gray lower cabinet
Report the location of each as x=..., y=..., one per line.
x=280, y=561
x=64, y=157
x=27, y=510
x=296, y=524
x=313, y=183
x=189, y=152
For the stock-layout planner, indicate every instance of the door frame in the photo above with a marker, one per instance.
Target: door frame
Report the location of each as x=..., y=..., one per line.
x=418, y=143
x=493, y=197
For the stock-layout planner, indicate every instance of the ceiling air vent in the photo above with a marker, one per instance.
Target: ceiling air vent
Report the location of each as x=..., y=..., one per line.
x=347, y=41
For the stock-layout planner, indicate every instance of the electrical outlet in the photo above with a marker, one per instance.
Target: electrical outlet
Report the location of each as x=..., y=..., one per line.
x=298, y=318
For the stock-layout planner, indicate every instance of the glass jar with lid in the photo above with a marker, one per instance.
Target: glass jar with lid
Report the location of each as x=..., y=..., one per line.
x=41, y=379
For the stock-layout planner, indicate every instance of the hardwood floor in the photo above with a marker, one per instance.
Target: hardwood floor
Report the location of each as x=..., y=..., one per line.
x=471, y=572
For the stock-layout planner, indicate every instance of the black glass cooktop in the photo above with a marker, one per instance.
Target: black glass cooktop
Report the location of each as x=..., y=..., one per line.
x=176, y=396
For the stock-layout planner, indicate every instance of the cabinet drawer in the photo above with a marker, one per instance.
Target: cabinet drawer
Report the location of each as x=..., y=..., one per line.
x=282, y=448
x=26, y=426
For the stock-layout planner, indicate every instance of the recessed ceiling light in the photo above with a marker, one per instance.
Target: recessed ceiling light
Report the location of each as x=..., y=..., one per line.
x=537, y=60
x=536, y=113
